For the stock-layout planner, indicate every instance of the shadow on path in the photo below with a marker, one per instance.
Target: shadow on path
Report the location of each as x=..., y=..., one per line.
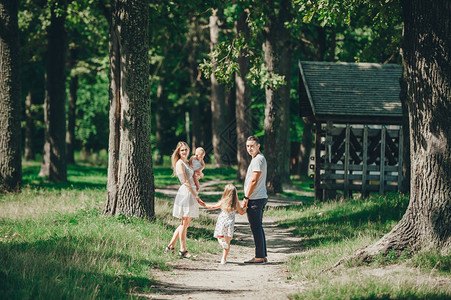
x=204, y=278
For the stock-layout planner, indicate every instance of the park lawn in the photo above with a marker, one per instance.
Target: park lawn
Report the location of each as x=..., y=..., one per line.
x=55, y=242
x=334, y=229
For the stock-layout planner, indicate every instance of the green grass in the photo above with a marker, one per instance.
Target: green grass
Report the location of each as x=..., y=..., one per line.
x=334, y=229
x=56, y=243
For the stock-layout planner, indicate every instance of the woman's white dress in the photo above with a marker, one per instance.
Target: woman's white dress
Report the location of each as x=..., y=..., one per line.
x=185, y=204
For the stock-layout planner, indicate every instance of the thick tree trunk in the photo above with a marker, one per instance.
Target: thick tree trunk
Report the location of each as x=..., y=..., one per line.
x=29, y=129
x=243, y=103
x=54, y=163
x=277, y=116
x=405, y=184
x=130, y=188
x=427, y=63
x=71, y=117
x=218, y=109
x=10, y=137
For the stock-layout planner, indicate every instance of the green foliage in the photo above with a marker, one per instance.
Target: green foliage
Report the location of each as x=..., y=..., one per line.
x=392, y=257
x=92, y=121
x=432, y=259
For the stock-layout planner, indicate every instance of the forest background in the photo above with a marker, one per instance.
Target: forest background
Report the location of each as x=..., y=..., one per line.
x=185, y=58
x=180, y=42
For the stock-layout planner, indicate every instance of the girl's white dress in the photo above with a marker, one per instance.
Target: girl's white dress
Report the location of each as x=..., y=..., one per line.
x=225, y=224
x=185, y=204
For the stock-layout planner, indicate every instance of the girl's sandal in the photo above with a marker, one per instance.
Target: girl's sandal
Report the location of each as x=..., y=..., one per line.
x=169, y=249
x=185, y=254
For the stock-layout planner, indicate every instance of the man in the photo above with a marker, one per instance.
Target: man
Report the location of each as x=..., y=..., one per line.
x=255, y=197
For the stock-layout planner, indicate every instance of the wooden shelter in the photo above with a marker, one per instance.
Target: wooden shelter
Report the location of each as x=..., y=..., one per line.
x=358, y=136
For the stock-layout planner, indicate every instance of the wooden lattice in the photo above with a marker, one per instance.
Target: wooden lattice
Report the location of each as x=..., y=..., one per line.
x=360, y=158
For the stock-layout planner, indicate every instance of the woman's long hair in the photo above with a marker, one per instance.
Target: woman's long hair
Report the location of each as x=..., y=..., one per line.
x=229, y=199
x=176, y=155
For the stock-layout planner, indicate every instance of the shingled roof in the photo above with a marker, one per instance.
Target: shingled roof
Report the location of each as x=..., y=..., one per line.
x=350, y=92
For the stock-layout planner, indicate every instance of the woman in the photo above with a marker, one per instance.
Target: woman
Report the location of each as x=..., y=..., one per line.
x=186, y=201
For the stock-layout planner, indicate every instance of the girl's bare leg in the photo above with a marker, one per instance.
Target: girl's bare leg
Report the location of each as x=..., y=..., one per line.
x=225, y=251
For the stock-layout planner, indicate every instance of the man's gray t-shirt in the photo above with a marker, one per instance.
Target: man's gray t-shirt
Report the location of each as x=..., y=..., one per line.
x=258, y=164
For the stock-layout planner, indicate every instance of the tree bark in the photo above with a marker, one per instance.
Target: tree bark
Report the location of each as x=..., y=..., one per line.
x=405, y=184
x=54, y=163
x=305, y=148
x=161, y=97
x=193, y=41
x=29, y=129
x=277, y=59
x=218, y=109
x=71, y=116
x=10, y=132
x=130, y=188
x=243, y=102
x=427, y=63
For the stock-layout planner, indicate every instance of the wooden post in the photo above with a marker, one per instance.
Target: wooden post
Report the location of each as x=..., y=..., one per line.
x=318, y=192
x=327, y=193
x=400, y=161
x=346, y=166
x=382, y=166
x=365, y=161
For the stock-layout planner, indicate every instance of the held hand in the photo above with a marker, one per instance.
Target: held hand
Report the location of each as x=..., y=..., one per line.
x=245, y=203
x=201, y=203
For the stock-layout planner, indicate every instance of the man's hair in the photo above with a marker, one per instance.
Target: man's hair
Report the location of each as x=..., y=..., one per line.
x=253, y=138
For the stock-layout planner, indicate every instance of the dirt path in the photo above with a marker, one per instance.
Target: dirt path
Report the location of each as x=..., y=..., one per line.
x=205, y=278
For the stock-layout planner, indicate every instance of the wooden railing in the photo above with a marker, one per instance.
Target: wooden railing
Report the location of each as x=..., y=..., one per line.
x=357, y=158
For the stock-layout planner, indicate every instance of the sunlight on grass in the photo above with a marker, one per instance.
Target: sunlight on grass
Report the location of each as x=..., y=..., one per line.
x=56, y=243
x=332, y=230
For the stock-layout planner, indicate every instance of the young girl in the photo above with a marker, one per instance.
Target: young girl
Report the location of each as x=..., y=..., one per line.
x=197, y=163
x=229, y=204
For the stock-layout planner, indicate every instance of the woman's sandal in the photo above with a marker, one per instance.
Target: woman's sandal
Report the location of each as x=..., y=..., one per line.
x=169, y=249
x=185, y=254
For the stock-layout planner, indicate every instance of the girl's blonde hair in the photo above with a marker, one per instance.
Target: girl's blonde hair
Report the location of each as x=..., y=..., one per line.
x=229, y=199
x=176, y=154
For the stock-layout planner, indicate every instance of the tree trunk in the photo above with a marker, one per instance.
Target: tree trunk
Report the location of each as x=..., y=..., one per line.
x=243, y=103
x=305, y=148
x=427, y=63
x=158, y=124
x=29, y=129
x=333, y=44
x=405, y=184
x=130, y=188
x=277, y=116
x=193, y=41
x=10, y=137
x=54, y=163
x=218, y=109
x=71, y=117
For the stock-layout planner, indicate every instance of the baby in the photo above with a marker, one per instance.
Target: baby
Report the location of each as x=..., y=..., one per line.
x=197, y=163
